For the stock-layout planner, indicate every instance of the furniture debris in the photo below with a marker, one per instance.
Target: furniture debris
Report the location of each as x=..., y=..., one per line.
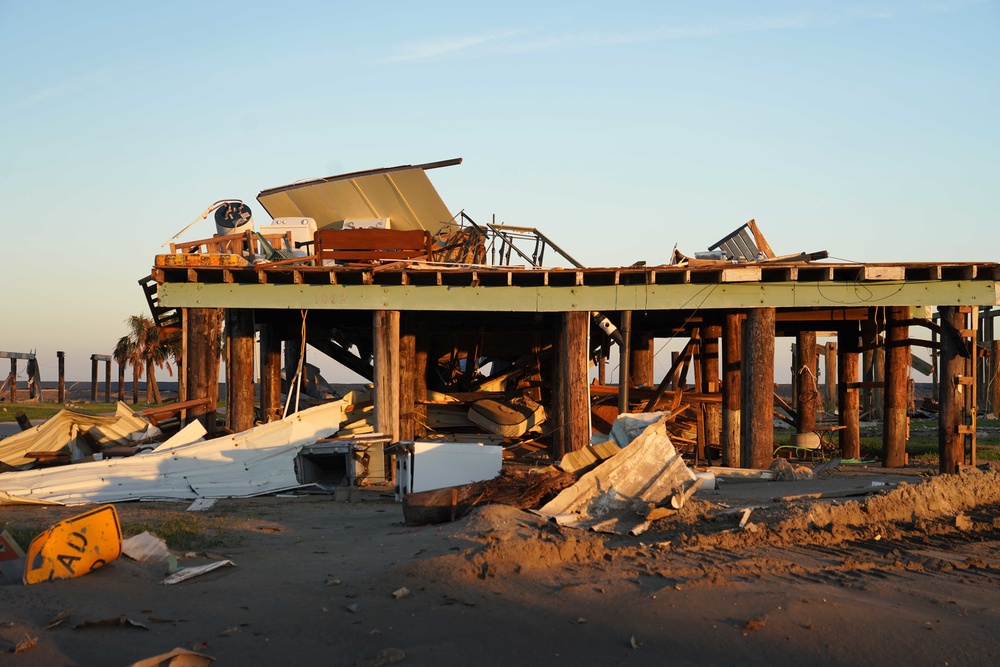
x=511, y=419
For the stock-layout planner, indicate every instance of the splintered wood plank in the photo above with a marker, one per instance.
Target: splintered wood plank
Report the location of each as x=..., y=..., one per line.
x=884, y=273
x=741, y=274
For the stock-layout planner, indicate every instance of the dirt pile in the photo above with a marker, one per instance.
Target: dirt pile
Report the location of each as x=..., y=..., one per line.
x=937, y=505
x=510, y=541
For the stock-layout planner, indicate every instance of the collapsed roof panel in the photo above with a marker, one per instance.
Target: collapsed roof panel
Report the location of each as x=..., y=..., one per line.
x=402, y=194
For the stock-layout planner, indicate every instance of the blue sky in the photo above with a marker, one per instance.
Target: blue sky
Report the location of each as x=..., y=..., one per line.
x=867, y=129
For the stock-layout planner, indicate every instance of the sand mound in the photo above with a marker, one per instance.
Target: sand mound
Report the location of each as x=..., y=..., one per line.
x=511, y=541
x=906, y=508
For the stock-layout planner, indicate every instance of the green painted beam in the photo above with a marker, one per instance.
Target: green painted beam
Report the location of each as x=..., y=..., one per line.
x=582, y=298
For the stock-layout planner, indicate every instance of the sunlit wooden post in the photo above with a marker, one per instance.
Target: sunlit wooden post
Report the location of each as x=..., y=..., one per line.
x=757, y=437
x=731, y=373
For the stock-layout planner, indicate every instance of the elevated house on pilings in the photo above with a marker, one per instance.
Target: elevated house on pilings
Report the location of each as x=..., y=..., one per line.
x=435, y=307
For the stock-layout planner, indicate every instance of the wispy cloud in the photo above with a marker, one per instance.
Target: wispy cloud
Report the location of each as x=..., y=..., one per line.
x=432, y=50
x=65, y=88
x=523, y=40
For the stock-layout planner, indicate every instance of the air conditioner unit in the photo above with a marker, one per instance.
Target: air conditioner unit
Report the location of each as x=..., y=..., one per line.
x=366, y=223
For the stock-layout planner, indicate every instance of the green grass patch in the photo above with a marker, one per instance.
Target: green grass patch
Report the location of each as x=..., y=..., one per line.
x=188, y=532
x=23, y=535
x=42, y=411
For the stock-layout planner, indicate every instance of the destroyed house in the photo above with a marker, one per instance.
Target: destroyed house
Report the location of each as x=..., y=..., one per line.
x=480, y=332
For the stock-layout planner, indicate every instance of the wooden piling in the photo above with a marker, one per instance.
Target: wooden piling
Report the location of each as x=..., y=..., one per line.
x=994, y=384
x=805, y=371
x=270, y=374
x=641, y=359
x=107, y=380
x=951, y=392
x=61, y=394
x=897, y=374
x=571, y=393
x=408, y=376
x=121, y=381
x=386, y=363
x=93, y=379
x=675, y=380
x=625, y=361
x=239, y=369
x=710, y=383
x=830, y=358
x=731, y=374
x=878, y=395
x=757, y=427
x=422, y=355
x=202, y=355
x=848, y=399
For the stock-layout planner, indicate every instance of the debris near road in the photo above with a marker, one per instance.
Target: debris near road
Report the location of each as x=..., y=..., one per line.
x=73, y=436
x=258, y=461
x=641, y=471
x=616, y=495
x=514, y=487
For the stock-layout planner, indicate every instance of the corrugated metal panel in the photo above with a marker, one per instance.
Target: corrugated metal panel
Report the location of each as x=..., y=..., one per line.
x=403, y=194
x=260, y=460
x=65, y=430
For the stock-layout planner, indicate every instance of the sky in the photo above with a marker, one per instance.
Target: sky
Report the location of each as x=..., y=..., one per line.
x=868, y=129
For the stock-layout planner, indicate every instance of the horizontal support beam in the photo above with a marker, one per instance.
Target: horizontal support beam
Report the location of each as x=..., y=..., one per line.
x=17, y=355
x=579, y=298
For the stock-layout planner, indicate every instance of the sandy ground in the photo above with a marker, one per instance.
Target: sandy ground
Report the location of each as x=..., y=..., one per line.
x=909, y=576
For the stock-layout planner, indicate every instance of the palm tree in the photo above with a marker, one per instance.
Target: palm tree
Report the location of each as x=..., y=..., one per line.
x=143, y=348
x=125, y=354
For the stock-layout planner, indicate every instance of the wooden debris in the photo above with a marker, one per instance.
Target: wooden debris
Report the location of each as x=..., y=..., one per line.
x=517, y=489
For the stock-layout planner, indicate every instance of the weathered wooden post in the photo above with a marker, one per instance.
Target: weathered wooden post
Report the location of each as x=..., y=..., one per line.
x=202, y=355
x=571, y=393
x=878, y=395
x=731, y=374
x=848, y=400
x=270, y=373
x=121, y=380
x=830, y=357
x=951, y=393
x=994, y=408
x=869, y=339
x=641, y=359
x=421, y=357
x=107, y=379
x=897, y=374
x=757, y=427
x=386, y=367
x=239, y=369
x=407, y=376
x=676, y=381
x=625, y=361
x=710, y=383
x=61, y=356
x=805, y=372
x=93, y=378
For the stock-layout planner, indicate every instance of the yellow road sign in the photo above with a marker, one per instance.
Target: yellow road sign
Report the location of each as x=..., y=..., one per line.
x=75, y=546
